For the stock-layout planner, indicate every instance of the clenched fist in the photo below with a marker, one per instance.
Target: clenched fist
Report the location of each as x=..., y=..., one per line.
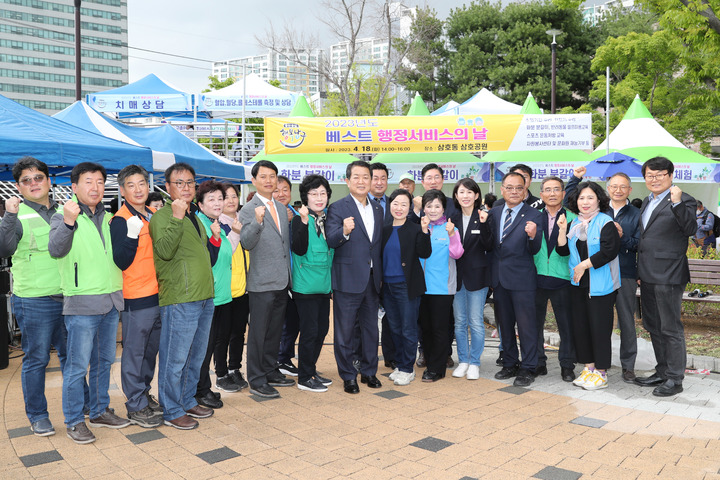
x=450, y=228
x=561, y=223
x=348, y=225
x=12, y=204
x=236, y=226
x=579, y=172
x=71, y=210
x=260, y=213
x=179, y=208
x=304, y=212
x=417, y=203
x=530, y=229
x=424, y=223
x=215, y=229
x=483, y=216
x=675, y=194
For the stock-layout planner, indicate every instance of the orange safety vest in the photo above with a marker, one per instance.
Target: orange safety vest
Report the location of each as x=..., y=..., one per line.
x=139, y=280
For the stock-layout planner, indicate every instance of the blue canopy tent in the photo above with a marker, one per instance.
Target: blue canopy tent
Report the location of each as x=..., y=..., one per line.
x=168, y=145
x=614, y=162
x=61, y=146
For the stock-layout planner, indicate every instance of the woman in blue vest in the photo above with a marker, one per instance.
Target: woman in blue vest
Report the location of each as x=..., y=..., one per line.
x=441, y=283
x=404, y=244
x=594, y=245
x=311, y=287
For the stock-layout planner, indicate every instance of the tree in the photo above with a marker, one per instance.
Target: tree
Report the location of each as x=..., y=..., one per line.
x=370, y=89
x=216, y=84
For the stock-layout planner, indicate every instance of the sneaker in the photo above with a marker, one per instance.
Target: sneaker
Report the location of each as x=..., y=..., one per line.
x=80, y=434
x=421, y=359
x=312, y=385
x=108, y=419
x=279, y=380
x=42, y=428
x=226, y=384
x=238, y=379
x=287, y=368
x=394, y=374
x=595, y=381
x=325, y=381
x=146, y=418
x=461, y=370
x=580, y=380
x=473, y=372
x=404, y=378
x=153, y=403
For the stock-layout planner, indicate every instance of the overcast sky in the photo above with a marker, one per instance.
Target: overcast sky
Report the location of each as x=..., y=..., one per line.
x=214, y=30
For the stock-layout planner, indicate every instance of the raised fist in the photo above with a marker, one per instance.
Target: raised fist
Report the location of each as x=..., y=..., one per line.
x=417, y=203
x=134, y=225
x=530, y=229
x=348, y=225
x=236, y=226
x=260, y=213
x=450, y=228
x=304, y=212
x=215, y=229
x=179, y=208
x=675, y=194
x=71, y=210
x=483, y=216
x=562, y=223
x=12, y=204
x=579, y=172
x=424, y=223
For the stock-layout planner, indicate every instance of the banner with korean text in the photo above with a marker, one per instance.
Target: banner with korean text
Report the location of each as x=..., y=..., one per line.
x=463, y=133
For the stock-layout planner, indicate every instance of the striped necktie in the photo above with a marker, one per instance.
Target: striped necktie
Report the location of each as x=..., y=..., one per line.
x=506, y=225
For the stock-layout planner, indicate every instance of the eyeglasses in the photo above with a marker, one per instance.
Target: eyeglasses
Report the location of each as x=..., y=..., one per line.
x=180, y=184
x=552, y=190
x=619, y=187
x=659, y=176
x=317, y=194
x=30, y=180
x=514, y=189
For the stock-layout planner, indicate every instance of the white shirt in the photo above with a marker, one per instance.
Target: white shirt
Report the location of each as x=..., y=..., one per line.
x=367, y=215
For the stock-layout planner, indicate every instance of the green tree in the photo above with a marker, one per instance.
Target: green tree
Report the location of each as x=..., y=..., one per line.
x=367, y=89
x=216, y=84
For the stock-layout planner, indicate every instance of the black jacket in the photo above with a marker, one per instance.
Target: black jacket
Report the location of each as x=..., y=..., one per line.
x=414, y=245
x=473, y=268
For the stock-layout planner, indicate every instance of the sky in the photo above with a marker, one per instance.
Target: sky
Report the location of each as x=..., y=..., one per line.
x=217, y=30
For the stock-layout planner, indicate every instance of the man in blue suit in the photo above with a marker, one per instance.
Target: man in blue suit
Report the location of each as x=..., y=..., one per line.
x=354, y=229
x=514, y=228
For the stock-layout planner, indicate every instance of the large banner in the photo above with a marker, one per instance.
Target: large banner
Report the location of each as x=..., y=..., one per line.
x=463, y=133
x=141, y=102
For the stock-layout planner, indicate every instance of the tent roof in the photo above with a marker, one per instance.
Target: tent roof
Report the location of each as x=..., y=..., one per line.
x=262, y=98
x=169, y=146
x=448, y=106
x=24, y=131
x=484, y=102
x=418, y=107
x=530, y=106
x=302, y=108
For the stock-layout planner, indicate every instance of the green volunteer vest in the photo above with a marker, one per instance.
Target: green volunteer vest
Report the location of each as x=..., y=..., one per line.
x=89, y=269
x=222, y=270
x=35, y=272
x=311, y=272
x=554, y=265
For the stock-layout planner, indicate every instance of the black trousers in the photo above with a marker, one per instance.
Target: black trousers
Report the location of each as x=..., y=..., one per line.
x=517, y=307
x=314, y=316
x=290, y=330
x=204, y=383
x=435, y=317
x=593, y=319
x=661, y=318
x=230, y=338
x=267, y=313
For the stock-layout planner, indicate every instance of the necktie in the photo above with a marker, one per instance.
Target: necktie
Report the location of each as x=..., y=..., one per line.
x=506, y=225
x=273, y=213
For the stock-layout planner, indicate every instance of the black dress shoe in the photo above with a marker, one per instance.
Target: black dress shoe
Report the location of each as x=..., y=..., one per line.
x=351, y=386
x=390, y=364
x=265, y=391
x=371, y=380
x=209, y=400
x=429, y=376
x=668, y=389
x=279, y=380
x=524, y=378
x=541, y=370
x=652, y=381
x=567, y=374
x=506, y=372
x=499, y=361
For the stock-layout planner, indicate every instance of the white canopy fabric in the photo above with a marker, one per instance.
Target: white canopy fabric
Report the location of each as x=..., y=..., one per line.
x=484, y=102
x=259, y=97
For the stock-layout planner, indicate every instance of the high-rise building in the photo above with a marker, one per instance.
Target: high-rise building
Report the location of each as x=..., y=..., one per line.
x=293, y=76
x=37, y=50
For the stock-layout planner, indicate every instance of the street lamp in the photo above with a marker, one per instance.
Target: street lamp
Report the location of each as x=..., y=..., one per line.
x=553, y=46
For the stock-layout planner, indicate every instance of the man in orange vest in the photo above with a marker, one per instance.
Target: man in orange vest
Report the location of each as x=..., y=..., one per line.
x=133, y=254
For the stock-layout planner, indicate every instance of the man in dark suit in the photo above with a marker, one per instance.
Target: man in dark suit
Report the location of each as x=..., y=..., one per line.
x=354, y=229
x=667, y=220
x=514, y=227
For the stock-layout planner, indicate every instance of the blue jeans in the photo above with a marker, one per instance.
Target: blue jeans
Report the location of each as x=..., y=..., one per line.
x=402, y=316
x=468, y=307
x=91, y=341
x=183, y=343
x=42, y=325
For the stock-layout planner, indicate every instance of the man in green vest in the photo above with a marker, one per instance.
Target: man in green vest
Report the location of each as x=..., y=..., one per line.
x=92, y=288
x=37, y=296
x=553, y=282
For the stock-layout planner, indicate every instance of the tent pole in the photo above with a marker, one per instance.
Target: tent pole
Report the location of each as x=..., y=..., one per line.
x=244, y=130
x=151, y=177
x=607, y=110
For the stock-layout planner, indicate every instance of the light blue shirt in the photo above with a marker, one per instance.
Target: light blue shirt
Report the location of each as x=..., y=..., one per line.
x=515, y=210
x=653, y=202
x=382, y=201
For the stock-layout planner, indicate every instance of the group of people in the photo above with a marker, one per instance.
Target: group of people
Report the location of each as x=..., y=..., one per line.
x=191, y=277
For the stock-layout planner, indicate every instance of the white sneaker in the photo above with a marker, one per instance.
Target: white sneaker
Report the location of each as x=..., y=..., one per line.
x=404, y=378
x=460, y=370
x=580, y=380
x=394, y=373
x=473, y=372
x=595, y=381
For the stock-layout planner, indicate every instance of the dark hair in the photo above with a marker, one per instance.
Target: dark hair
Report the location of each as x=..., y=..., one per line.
x=490, y=199
x=206, y=187
x=29, y=163
x=400, y=192
x=602, y=196
x=227, y=186
x=431, y=195
x=470, y=184
x=129, y=171
x=636, y=202
x=283, y=178
x=311, y=182
x=86, y=167
x=523, y=168
x=114, y=205
x=356, y=163
x=379, y=166
x=699, y=203
x=154, y=197
x=552, y=179
x=263, y=163
x=430, y=166
x=658, y=164
x=178, y=167
x=512, y=174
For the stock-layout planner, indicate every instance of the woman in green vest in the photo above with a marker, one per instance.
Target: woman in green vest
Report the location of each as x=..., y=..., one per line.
x=311, y=287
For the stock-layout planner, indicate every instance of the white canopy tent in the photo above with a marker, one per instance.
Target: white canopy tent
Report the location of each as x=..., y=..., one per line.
x=251, y=95
x=484, y=102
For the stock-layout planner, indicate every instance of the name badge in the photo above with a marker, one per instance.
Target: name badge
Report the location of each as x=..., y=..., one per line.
x=476, y=232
